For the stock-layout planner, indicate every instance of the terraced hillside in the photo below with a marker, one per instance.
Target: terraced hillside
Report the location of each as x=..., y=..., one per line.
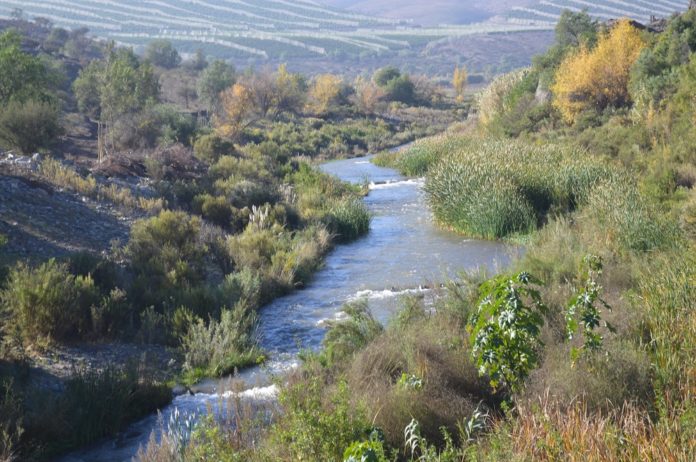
x=548, y=11
x=257, y=29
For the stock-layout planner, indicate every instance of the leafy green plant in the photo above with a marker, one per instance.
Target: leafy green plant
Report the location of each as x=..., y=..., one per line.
x=505, y=329
x=410, y=382
x=584, y=312
x=422, y=451
x=313, y=428
x=371, y=450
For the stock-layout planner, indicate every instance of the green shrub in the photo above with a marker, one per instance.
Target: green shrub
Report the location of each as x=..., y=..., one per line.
x=315, y=429
x=216, y=210
x=220, y=347
x=29, y=126
x=166, y=252
x=209, y=148
x=505, y=329
x=47, y=302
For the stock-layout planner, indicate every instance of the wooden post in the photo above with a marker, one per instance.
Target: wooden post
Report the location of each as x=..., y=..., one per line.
x=101, y=148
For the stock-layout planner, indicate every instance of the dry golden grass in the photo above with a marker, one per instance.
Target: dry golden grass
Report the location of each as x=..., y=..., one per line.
x=548, y=431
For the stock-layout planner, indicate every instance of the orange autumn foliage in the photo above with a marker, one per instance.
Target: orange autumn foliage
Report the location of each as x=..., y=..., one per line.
x=598, y=77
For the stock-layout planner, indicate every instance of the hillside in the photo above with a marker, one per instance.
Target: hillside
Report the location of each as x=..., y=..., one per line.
x=544, y=11
x=256, y=31
x=435, y=12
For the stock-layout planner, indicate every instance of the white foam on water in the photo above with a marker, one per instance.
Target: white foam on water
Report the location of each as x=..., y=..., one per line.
x=395, y=184
x=362, y=162
x=257, y=393
x=384, y=294
x=339, y=316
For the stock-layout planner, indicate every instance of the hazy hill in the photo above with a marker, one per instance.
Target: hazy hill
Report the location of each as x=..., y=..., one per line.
x=354, y=35
x=432, y=12
x=541, y=11
x=244, y=28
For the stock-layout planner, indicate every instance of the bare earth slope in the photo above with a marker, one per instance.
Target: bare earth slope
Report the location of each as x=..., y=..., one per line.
x=43, y=222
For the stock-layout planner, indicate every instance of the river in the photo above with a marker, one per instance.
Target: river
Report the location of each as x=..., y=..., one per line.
x=404, y=252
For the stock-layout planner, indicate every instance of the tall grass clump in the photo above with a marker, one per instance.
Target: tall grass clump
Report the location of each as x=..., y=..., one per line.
x=348, y=219
x=493, y=189
x=223, y=345
x=422, y=155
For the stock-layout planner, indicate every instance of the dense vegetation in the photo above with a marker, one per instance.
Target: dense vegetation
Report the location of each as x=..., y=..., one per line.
x=229, y=212
x=584, y=349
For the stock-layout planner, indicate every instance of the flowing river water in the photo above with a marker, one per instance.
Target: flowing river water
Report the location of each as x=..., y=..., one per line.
x=404, y=252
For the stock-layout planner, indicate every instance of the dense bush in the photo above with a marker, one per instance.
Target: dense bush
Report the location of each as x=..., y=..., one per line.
x=167, y=251
x=29, y=126
x=209, y=148
x=48, y=302
x=630, y=219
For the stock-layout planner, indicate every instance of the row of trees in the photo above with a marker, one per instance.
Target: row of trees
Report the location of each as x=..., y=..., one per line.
x=121, y=91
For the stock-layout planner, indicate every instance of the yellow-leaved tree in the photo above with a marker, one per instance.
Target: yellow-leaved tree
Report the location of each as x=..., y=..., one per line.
x=459, y=81
x=237, y=113
x=324, y=91
x=598, y=77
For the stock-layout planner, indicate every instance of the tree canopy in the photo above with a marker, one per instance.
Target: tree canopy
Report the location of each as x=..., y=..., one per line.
x=598, y=77
x=23, y=76
x=163, y=54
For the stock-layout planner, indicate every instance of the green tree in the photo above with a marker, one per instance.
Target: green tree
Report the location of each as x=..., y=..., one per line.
x=574, y=29
x=401, y=89
x=163, y=54
x=385, y=75
x=216, y=78
x=199, y=61
x=116, y=91
x=23, y=76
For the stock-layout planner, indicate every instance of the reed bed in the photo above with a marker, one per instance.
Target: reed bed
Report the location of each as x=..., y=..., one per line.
x=493, y=189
